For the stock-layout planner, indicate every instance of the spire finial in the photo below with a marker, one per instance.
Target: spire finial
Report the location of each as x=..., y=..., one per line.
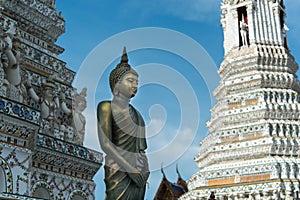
x=162, y=170
x=177, y=171
x=124, y=58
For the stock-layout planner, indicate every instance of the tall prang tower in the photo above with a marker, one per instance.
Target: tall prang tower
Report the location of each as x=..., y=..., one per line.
x=252, y=150
x=42, y=127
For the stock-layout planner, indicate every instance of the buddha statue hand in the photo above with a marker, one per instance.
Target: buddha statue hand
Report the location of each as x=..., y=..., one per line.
x=137, y=178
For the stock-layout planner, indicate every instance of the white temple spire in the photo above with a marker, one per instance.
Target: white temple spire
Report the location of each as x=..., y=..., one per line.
x=252, y=150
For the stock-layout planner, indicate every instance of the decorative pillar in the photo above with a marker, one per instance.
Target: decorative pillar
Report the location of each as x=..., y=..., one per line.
x=274, y=26
x=251, y=26
x=235, y=28
x=276, y=10
x=260, y=22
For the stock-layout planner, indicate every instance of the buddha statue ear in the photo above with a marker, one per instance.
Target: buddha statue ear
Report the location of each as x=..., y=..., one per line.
x=116, y=90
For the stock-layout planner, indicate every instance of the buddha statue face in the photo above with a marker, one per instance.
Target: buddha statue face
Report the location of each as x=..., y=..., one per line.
x=128, y=85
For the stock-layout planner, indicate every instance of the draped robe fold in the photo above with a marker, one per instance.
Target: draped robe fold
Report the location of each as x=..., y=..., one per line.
x=128, y=137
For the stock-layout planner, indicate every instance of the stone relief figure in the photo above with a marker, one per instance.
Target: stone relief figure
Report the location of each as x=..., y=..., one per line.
x=49, y=104
x=121, y=132
x=79, y=105
x=10, y=61
x=3, y=81
x=244, y=31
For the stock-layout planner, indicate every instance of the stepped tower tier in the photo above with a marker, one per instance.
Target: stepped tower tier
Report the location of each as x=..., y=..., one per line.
x=252, y=150
x=42, y=126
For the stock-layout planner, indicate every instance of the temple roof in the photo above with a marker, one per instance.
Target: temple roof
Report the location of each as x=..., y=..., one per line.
x=169, y=190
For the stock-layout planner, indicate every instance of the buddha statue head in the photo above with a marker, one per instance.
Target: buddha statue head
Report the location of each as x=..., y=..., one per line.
x=123, y=79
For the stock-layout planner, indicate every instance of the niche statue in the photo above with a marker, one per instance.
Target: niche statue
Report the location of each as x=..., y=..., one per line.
x=121, y=132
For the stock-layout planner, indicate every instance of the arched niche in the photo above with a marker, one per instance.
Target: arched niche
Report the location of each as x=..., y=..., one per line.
x=3, y=186
x=42, y=190
x=6, y=181
x=78, y=195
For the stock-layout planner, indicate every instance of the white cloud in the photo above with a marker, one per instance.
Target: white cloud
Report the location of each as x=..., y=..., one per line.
x=154, y=127
x=91, y=133
x=170, y=146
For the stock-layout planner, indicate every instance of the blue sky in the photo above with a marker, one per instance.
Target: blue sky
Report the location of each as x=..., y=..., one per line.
x=175, y=94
